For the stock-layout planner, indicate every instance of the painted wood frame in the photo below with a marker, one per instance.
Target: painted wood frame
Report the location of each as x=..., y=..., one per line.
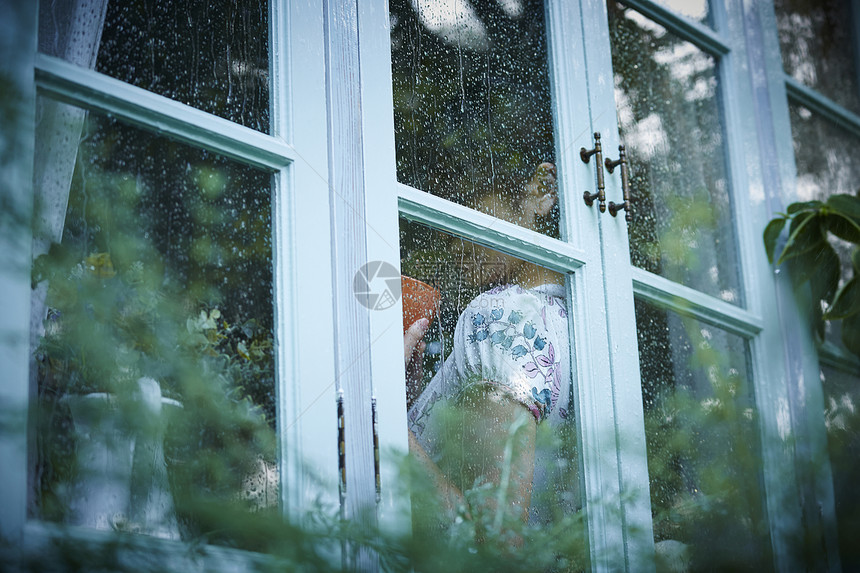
x=753, y=188
x=309, y=227
x=774, y=91
x=352, y=332
x=18, y=46
x=581, y=51
x=579, y=256
x=304, y=295
x=757, y=322
x=764, y=320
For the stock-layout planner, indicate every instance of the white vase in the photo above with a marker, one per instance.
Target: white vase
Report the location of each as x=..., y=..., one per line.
x=121, y=483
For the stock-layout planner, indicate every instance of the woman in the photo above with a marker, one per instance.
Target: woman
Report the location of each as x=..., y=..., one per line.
x=507, y=376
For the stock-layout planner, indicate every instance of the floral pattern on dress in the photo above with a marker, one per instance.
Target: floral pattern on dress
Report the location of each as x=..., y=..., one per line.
x=418, y=415
x=513, y=338
x=521, y=339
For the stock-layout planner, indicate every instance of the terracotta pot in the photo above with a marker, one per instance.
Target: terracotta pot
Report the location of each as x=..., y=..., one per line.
x=420, y=300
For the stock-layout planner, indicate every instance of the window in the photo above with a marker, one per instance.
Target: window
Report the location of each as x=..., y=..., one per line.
x=168, y=164
x=818, y=74
x=686, y=271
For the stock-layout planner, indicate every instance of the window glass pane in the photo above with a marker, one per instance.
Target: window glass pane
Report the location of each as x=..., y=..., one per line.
x=696, y=10
x=497, y=354
x=666, y=92
x=156, y=369
x=701, y=432
x=842, y=419
x=819, y=47
x=472, y=113
x=211, y=55
x=824, y=170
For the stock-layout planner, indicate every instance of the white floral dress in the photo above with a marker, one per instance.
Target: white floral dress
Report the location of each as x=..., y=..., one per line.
x=519, y=340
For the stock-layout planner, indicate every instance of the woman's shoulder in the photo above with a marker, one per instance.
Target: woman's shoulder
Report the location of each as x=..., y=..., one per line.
x=502, y=294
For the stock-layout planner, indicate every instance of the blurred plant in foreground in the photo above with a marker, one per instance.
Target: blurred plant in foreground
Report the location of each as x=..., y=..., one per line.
x=109, y=327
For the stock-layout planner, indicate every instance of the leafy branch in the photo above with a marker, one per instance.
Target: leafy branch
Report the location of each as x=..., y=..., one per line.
x=813, y=228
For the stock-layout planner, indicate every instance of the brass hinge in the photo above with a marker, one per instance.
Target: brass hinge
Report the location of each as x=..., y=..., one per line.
x=341, y=447
x=376, y=450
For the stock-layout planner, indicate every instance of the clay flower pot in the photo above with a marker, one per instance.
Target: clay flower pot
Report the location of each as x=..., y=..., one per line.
x=420, y=300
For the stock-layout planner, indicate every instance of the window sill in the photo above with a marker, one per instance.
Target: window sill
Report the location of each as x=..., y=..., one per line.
x=49, y=546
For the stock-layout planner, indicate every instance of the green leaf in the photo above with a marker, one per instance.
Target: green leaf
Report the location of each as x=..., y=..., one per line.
x=847, y=301
x=771, y=235
x=824, y=279
x=855, y=260
x=804, y=235
x=847, y=205
x=843, y=227
x=806, y=206
x=802, y=266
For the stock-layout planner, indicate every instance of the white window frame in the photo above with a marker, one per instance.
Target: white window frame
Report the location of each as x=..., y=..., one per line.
x=774, y=94
x=783, y=413
x=319, y=317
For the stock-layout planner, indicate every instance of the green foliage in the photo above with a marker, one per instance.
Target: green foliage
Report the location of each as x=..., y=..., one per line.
x=101, y=326
x=472, y=115
x=814, y=227
x=106, y=328
x=701, y=427
x=485, y=529
x=163, y=274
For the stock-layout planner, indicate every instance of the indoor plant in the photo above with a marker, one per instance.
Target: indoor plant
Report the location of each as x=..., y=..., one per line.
x=818, y=233
x=93, y=363
x=111, y=332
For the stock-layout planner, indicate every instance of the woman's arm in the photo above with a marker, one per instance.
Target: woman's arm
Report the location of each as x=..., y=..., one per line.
x=491, y=437
x=413, y=358
x=448, y=494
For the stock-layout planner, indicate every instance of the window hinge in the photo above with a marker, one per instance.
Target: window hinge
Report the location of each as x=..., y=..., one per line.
x=341, y=447
x=376, y=450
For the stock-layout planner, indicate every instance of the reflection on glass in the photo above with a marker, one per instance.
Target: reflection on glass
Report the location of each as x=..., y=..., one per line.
x=211, y=55
x=156, y=368
x=823, y=170
x=818, y=47
x=472, y=113
x=669, y=118
x=497, y=356
x=700, y=425
x=842, y=420
x=696, y=10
